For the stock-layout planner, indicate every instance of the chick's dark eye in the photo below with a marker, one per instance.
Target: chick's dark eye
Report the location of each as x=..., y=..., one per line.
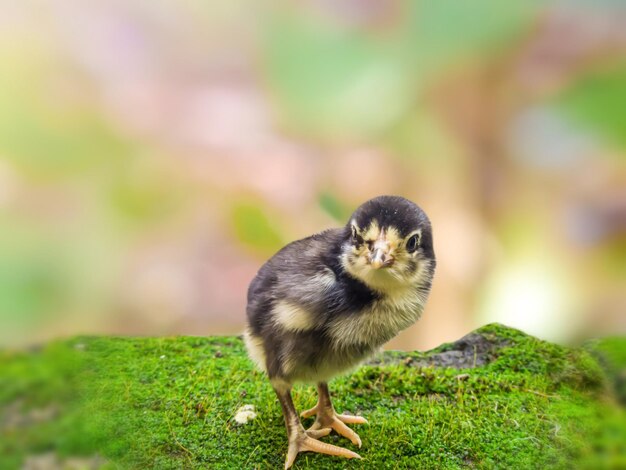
x=356, y=238
x=411, y=244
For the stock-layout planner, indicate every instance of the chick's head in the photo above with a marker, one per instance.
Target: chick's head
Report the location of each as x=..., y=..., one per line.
x=389, y=244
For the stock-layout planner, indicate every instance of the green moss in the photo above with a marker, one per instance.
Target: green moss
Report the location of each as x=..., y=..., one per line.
x=169, y=402
x=611, y=353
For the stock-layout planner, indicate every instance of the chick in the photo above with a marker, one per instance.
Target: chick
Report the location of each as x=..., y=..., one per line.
x=323, y=304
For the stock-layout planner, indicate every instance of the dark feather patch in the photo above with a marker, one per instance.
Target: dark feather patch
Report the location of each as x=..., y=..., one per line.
x=394, y=211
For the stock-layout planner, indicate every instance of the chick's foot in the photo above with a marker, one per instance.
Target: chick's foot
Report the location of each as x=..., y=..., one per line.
x=328, y=418
x=305, y=441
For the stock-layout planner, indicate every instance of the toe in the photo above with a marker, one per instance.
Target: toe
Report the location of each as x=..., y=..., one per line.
x=314, y=445
x=292, y=453
x=317, y=433
x=351, y=419
x=345, y=431
x=304, y=442
x=308, y=413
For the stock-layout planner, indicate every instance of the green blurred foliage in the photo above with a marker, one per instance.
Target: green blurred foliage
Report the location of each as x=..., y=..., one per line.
x=334, y=207
x=445, y=31
x=333, y=79
x=32, y=277
x=31, y=288
x=116, y=151
x=597, y=101
x=45, y=136
x=142, y=192
x=91, y=188
x=255, y=228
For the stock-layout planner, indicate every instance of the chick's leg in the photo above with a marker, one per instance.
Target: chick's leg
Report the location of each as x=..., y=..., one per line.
x=299, y=439
x=328, y=418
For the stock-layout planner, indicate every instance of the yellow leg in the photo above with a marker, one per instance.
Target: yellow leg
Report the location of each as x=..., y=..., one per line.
x=299, y=439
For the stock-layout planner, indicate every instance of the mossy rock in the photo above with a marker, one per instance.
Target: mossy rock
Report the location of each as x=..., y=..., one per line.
x=497, y=398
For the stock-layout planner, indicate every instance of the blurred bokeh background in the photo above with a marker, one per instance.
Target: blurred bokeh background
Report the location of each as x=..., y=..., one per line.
x=154, y=154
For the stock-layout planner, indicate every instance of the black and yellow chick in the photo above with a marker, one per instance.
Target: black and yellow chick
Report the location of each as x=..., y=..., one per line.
x=323, y=304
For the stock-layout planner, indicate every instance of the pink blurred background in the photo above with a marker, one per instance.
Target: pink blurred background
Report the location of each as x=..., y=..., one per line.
x=154, y=154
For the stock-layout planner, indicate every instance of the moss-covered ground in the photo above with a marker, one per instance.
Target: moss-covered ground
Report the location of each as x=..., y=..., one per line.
x=168, y=403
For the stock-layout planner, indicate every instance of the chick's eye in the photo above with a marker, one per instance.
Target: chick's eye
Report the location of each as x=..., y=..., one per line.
x=411, y=243
x=356, y=238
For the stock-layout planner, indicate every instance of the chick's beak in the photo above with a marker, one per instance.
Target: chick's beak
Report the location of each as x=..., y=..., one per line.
x=380, y=256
